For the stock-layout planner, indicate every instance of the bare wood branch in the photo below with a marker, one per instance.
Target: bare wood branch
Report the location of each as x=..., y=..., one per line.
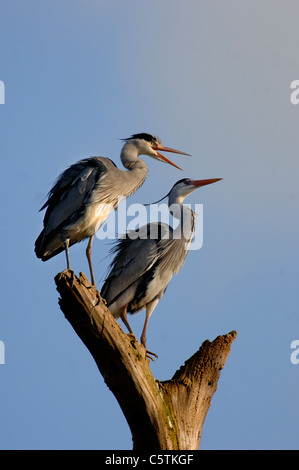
x=162, y=415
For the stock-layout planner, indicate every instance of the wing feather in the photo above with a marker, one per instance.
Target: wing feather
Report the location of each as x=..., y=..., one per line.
x=67, y=198
x=71, y=190
x=133, y=258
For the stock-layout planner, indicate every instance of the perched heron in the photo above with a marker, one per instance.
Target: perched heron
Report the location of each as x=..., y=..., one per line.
x=146, y=259
x=86, y=192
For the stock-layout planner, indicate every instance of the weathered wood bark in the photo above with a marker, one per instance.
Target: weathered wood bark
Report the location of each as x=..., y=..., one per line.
x=162, y=415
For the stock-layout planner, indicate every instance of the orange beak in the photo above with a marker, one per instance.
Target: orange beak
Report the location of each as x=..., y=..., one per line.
x=168, y=149
x=198, y=183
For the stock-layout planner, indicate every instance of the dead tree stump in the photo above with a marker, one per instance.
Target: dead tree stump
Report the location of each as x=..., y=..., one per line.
x=162, y=415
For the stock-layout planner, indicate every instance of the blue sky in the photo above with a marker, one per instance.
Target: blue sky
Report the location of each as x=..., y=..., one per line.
x=212, y=79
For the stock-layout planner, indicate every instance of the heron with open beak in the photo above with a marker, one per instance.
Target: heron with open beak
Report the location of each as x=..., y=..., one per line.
x=85, y=193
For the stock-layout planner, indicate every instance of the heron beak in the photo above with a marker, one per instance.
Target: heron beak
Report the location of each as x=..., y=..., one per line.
x=198, y=183
x=168, y=149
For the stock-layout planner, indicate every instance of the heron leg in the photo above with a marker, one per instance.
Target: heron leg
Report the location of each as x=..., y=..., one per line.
x=143, y=334
x=149, y=310
x=66, y=247
x=124, y=317
x=66, y=244
x=88, y=256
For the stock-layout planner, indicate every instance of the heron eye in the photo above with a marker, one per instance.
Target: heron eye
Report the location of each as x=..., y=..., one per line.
x=187, y=181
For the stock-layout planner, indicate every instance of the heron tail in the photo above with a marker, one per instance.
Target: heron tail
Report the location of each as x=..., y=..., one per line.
x=47, y=246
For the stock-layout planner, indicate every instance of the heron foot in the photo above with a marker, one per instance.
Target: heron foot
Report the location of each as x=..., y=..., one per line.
x=72, y=275
x=99, y=299
x=96, y=302
x=149, y=355
x=133, y=338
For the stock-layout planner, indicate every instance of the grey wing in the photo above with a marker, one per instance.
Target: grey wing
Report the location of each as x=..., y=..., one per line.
x=70, y=192
x=133, y=259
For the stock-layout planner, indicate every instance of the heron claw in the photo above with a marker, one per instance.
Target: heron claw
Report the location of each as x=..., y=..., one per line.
x=99, y=299
x=149, y=355
x=72, y=277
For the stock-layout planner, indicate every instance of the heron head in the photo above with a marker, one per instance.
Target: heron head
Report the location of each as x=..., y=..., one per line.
x=186, y=186
x=148, y=144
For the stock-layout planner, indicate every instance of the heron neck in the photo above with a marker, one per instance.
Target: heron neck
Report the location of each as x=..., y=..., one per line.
x=175, y=204
x=129, y=155
x=185, y=215
x=137, y=168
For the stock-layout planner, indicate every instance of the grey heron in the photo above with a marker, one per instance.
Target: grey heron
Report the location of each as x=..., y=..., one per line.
x=144, y=265
x=86, y=192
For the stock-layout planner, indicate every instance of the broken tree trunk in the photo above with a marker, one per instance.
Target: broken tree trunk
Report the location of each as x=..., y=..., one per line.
x=162, y=415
